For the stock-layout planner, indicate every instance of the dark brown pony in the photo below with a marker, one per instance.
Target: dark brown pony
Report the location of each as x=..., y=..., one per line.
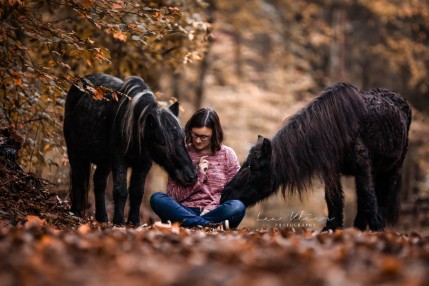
x=342, y=132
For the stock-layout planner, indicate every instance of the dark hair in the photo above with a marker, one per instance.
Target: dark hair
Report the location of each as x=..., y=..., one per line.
x=206, y=117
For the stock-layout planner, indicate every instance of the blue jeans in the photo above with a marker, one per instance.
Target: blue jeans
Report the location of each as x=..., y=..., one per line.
x=169, y=209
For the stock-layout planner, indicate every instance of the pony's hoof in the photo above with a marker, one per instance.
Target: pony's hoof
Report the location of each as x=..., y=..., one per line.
x=332, y=228
x=377, y=228
x=327, y=229
x=360, y=224
x=76, y=211
x=134, y=221
x=377, y=225
x=118, y=221
x=102, y=218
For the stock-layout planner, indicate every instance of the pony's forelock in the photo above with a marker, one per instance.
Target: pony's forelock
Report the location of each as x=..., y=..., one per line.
x=168, y=120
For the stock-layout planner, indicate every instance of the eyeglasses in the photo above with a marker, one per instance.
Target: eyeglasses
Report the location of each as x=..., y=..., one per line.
x=202, y=137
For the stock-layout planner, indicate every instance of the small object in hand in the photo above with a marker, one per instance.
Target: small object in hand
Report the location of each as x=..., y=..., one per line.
x=204, y=164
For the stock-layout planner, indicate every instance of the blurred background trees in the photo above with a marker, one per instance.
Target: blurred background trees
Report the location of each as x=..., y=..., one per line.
x=256, y=62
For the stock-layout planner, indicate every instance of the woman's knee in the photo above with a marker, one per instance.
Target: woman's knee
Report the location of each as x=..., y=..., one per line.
x=236, y=207
x=156, y=198
x=236, y=212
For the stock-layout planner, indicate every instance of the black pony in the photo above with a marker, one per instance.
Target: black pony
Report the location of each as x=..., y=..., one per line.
x=343, y=131
x=125, y=129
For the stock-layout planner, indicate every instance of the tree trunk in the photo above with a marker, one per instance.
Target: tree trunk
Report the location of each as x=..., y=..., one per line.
x=176, y=85
x=199, y=89
x=205, y=64
x=238, y=60
x=337, y=53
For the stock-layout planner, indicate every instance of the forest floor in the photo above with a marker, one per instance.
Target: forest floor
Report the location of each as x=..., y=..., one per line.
x=41, y=243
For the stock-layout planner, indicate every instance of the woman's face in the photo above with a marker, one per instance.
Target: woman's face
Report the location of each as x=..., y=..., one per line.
x=201, y=138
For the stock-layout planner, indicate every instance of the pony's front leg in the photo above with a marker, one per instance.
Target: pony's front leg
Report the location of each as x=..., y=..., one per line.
x=334, y=197
x=138, y=178
x=100, y=182
x=120, y=192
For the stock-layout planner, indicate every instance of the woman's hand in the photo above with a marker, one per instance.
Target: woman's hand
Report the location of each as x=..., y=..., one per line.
x=204, y=164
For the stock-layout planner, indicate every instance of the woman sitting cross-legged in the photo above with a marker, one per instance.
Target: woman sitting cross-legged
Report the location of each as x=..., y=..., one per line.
x=198, y=205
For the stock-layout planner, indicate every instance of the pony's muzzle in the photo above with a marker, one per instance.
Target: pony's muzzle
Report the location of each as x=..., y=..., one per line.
x=190, y=177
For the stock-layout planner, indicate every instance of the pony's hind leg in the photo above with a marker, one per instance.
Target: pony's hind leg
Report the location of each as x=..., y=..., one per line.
x=138, y=178
x=387, y=188
x=367, y=206
x=100, y=181
x=334, y=197
x=79, y=185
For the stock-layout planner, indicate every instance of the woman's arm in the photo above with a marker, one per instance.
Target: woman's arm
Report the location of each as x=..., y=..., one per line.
x=181, y=192
x=233, y=164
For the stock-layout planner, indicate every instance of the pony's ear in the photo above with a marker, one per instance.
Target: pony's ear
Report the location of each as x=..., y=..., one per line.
x=174, y=108
x=266, y=146
x=260, y=138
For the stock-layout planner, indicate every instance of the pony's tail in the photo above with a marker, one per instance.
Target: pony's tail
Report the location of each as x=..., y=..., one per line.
x=79, y=197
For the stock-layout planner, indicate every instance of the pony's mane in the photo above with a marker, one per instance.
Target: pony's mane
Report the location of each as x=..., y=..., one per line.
x=311, y=143
x=140, y=103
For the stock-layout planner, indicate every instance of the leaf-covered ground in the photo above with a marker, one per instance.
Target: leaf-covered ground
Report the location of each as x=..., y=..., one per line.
x=41, y=244
x=37, y=254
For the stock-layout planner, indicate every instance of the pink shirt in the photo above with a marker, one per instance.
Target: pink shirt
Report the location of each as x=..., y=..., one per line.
x=206, y=192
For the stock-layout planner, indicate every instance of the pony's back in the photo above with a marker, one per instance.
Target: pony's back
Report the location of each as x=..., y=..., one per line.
x=392, y=99
x=75, y=94
x=105, y=80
